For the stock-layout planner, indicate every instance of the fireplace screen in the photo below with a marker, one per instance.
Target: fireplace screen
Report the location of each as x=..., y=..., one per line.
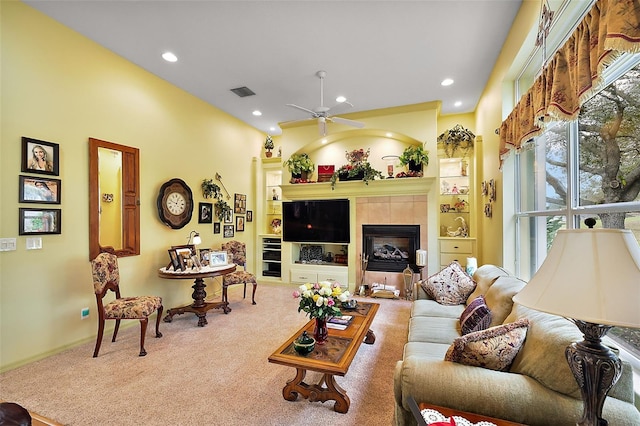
x=390, y=248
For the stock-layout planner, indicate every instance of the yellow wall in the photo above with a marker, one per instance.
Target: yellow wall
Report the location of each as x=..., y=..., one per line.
x=61, y=87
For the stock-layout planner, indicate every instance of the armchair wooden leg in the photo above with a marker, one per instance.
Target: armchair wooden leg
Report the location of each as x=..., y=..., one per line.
x=253, y=295
x=244, y=294
x=99, y=338
x=160, y=309
x=115, y=330
x=143, y=332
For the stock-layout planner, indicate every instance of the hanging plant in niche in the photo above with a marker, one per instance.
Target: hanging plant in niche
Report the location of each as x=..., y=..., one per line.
x=455, y=139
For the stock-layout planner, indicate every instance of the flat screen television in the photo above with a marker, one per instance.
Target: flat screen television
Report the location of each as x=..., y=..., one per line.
x=316, y=221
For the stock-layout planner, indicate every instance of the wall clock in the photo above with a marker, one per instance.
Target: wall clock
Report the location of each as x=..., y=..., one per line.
x=175, y=203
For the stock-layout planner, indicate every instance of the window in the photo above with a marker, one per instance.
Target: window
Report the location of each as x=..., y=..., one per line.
x=586, y=168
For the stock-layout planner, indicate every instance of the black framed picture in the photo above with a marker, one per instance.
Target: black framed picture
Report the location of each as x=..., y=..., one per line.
x=175, y=263
x=240, y=204
x=205, y=212
x=249, y=216
x=39, y=190
x=40, y=156
x=40, y=221
x=216, y=227
x=228, y=216
x=228, y=231
x=239, y=223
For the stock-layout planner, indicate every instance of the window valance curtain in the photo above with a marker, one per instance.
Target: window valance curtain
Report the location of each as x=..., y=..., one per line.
x=574, y=73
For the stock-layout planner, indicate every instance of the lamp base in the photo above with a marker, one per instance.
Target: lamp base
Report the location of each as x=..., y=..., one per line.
x=596, y=369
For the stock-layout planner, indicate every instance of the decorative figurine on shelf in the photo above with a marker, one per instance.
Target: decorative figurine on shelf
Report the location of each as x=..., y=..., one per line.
x=276, y=226
x=462, y=231
x=454, y=190
x=275, y=194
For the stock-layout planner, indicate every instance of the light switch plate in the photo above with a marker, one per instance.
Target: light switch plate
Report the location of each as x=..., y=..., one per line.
x=7, y=244
x=34, y=243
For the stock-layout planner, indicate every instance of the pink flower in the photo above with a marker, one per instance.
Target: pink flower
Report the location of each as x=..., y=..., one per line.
x=330, y=302
x=296, y=294
x=316, y=286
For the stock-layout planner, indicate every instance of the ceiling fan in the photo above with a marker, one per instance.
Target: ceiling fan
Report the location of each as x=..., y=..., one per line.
x=321, y=113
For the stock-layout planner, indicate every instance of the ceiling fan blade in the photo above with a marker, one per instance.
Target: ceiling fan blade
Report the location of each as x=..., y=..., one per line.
x=341, y=106
x=348, y=122
x=322, y=126
x=303, y=109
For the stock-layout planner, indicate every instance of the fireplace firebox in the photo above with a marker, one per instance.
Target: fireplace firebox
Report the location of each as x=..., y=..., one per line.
x=390, y=248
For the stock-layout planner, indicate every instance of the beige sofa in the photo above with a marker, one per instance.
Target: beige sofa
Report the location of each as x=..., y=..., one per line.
x=538, y=388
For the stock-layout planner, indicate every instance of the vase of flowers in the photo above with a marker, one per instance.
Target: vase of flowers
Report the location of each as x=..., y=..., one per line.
x=320, y=302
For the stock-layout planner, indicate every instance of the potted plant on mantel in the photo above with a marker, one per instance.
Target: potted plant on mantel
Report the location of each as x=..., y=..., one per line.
x=457, y=138
x=300, y=166
x=415, y=157
x=358, y=168
x=268, y=145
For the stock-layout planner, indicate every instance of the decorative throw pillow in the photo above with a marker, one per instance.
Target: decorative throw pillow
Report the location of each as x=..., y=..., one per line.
x=450, y=286
x=475, y=317
x=494, y=348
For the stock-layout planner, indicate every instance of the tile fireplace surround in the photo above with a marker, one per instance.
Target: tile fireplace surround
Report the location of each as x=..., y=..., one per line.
x=384, y=202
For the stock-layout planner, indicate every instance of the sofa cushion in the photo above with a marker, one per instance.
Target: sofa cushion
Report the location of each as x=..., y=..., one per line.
x=433, y=329
x=431, y=308
x=494, y=348
x=475, y=317
x=450, y=286
x=543, y=354
x=499, y=297
x=484, y=276
x=433, y=351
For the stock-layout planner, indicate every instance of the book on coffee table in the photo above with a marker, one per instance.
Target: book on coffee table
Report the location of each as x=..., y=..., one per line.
x=339, y=323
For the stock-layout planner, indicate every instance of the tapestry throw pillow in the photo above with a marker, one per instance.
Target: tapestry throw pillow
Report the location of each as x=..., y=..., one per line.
x=450, y=286
x=475, y=317
x=494, y=348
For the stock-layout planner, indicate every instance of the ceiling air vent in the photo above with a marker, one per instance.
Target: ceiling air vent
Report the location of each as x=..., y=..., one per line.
x=243, y=91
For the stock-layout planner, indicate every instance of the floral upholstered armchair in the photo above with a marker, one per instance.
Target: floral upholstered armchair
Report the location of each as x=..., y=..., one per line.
x=106, y=276
x=238, y=253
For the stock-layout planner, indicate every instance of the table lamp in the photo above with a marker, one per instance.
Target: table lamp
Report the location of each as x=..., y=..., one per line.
x=196, y=238
x=590, y=276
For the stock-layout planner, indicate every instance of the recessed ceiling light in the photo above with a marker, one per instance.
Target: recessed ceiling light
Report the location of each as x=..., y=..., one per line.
x=257, y=113
x=388, y=134
x=273, y=129
x=458, y=103
x=341, y=99
x=324, y=141
x=447, y=82
x=169, y=57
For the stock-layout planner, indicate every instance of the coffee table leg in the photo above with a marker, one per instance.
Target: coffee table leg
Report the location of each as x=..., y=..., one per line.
x=325, y=390
x=370, y=338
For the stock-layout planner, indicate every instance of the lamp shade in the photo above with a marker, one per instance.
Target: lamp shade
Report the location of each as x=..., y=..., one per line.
x=591, y=275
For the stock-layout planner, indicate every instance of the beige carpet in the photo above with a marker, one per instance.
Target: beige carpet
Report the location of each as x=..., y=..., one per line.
x=215, y=375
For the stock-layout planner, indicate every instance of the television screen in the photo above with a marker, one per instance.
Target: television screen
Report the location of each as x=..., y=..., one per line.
x=316, y=221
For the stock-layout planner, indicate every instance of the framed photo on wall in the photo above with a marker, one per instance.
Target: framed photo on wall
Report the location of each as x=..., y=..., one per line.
x=205, y=212
x=240, y=204
x=228, y=231
x=239, y=223
x=39, y=190
x=216, y=227
x=249, y=216
x=39, y=221
x=40, y=157
x=228, y=216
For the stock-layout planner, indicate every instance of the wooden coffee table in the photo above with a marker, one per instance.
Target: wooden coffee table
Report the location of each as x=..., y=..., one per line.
x=332, y=359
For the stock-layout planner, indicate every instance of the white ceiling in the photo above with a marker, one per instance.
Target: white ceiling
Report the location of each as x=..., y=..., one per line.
x=376, y=53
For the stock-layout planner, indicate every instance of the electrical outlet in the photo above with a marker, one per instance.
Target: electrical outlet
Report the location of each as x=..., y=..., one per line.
x=84, y=313
x=7, y=244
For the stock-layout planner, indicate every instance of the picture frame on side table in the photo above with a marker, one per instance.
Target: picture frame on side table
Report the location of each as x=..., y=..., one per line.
x=205, y=255
x=39, y=221
x=217, y=258
x=40, y=157
x=174, y=262
x=228, y=231
x=39, y=190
